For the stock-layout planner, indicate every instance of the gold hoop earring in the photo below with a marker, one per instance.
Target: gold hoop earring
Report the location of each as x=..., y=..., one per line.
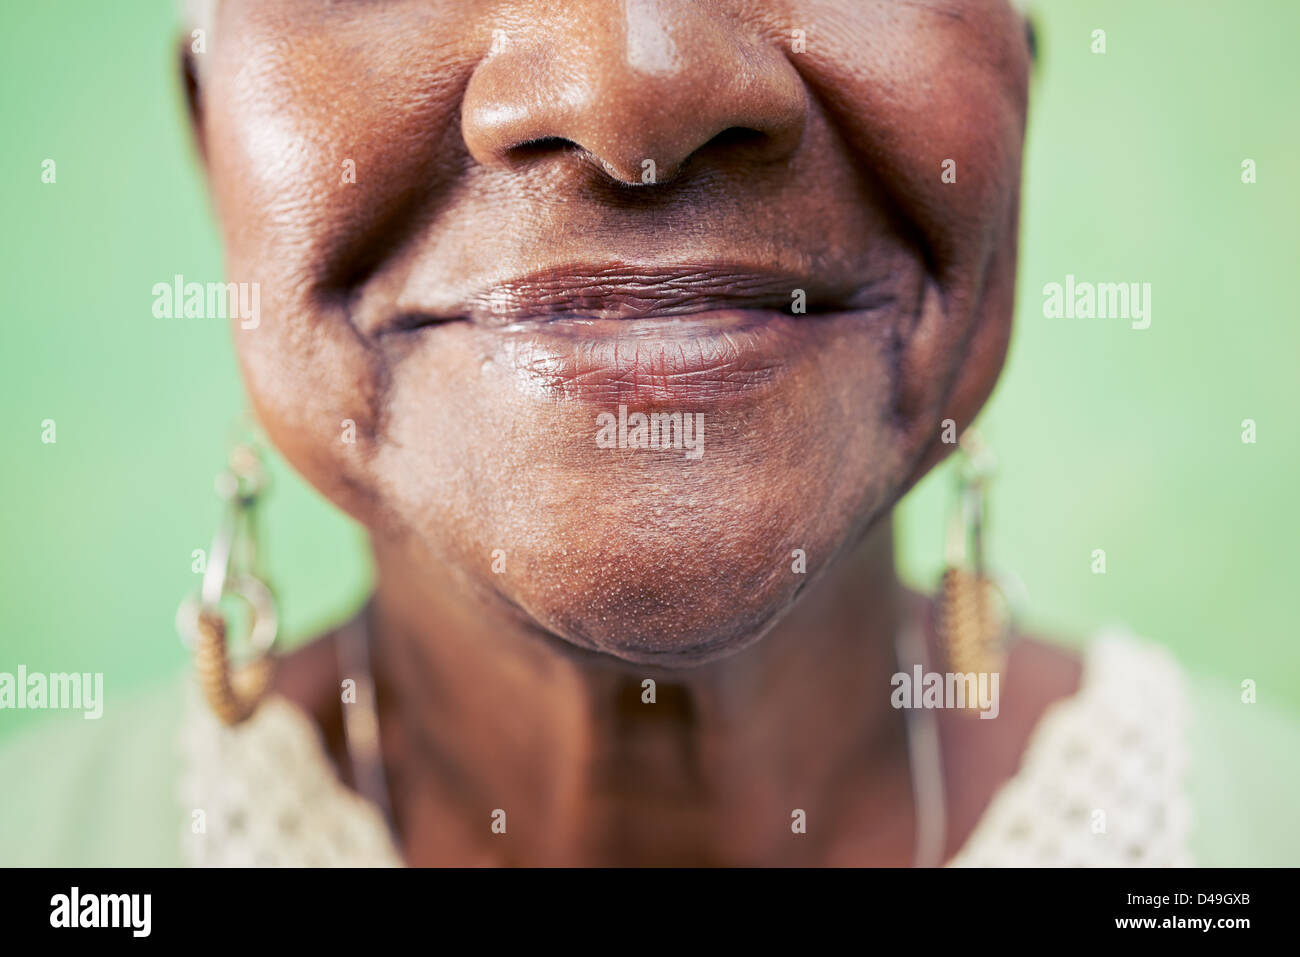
x=973, y=616
x=233, y=688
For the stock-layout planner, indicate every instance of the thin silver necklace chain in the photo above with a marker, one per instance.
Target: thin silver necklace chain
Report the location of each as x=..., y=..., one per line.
x=361, y=718
x=925, y=759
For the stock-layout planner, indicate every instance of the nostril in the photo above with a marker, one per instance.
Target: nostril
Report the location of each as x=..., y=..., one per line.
x=540, y=148
x=734, y=143
x=549, y=147
x=736, y=137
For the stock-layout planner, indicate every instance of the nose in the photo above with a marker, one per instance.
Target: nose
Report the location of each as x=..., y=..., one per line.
x=639, y=86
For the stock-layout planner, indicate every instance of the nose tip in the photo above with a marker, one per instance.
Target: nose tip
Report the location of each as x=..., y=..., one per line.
x=647, y=86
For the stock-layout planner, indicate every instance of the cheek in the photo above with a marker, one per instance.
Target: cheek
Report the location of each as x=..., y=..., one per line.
x=317, y=394
x=942, y=127
x=327, y=134
x=954, y=103
x=307, y=168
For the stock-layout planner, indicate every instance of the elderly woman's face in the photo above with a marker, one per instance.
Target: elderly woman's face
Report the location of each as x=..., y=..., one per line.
x=477, y=226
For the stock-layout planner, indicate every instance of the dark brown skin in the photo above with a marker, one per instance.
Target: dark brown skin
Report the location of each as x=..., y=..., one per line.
x=503, y=187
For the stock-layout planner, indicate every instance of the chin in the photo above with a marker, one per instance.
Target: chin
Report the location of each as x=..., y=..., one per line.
x=685, y=583
x=701, y=639
x=665, y=620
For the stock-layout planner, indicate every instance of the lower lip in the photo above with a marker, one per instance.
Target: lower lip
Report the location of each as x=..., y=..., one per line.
x=705, y=359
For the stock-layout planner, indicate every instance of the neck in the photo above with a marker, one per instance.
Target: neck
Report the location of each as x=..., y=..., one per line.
x=482, y=714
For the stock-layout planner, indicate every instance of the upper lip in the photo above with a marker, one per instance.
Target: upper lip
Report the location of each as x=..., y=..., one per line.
x=618, y=290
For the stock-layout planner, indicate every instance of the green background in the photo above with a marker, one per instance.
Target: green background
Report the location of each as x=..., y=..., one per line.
x=1108, y=437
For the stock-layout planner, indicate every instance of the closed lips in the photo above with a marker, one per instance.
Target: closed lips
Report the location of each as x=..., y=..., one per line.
x=620, y=291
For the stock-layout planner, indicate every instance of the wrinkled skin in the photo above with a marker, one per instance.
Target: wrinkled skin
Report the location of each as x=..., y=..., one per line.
x=494, y=143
